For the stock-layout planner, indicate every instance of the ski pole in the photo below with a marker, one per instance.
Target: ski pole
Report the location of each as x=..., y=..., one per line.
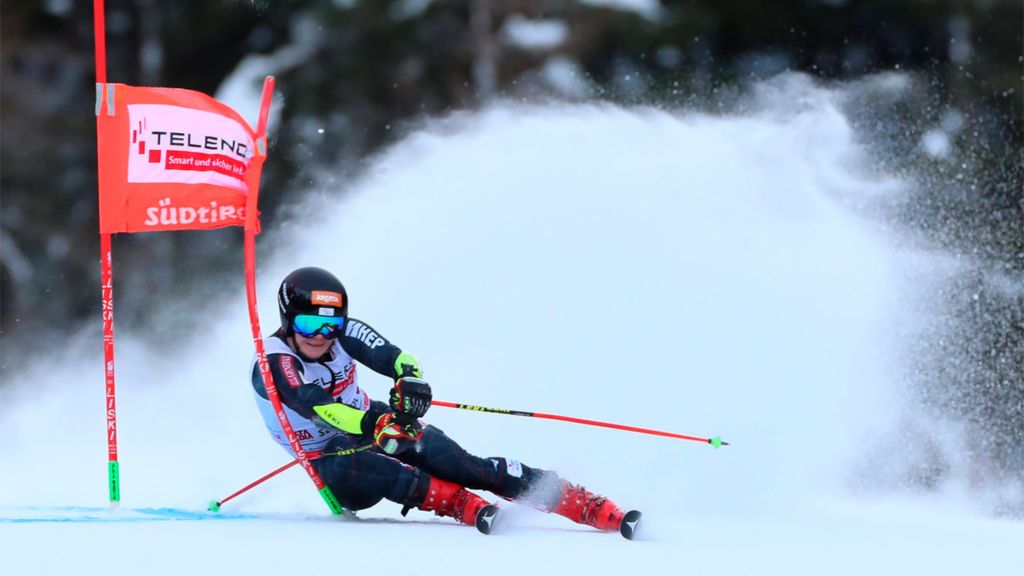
x=216, y=504
x=717, y=441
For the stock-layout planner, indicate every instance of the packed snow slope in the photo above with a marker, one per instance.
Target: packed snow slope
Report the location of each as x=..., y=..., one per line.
x=682, y=272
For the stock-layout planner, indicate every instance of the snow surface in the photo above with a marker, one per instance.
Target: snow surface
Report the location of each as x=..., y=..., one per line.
x=681, y=272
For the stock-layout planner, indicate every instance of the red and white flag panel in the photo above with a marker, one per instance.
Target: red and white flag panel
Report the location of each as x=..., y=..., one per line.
x=173, y=159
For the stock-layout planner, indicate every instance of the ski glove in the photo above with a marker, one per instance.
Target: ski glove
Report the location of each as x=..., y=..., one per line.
x=410, y=397
x=395, y=433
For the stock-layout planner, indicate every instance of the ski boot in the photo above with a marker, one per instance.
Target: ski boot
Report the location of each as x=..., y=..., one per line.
x=584, y=507
x=449, y=499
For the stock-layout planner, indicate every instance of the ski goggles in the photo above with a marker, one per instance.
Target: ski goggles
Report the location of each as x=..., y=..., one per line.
x=310, y=325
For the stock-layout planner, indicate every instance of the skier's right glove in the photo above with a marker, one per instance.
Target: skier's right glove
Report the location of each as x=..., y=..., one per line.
x=395, y=433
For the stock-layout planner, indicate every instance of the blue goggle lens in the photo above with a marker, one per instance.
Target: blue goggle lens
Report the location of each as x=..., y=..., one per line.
x=309, y=325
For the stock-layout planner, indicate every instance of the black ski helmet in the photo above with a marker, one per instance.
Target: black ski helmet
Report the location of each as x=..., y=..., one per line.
x=310, y=290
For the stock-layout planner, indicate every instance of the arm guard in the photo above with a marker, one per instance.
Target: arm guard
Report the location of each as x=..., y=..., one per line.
x=407, y=365
x=342, y=417
x=351, y=420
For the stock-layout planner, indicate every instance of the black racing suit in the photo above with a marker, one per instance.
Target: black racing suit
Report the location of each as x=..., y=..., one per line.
x=361, y=479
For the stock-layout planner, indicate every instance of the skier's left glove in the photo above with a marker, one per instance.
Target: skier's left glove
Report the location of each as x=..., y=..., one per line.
x=395, y=433
x=410, y=397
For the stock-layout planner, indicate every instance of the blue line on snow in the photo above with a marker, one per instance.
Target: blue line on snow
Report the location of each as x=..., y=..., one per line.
x=81, y=514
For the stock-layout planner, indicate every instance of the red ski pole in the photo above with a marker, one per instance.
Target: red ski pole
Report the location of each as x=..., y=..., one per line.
x=216, y=504
x=717, y=441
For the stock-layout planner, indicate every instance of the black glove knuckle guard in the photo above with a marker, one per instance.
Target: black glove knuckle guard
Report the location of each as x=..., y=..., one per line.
x=410, y=396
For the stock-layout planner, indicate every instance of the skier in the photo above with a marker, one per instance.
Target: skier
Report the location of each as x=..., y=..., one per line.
x=368, y=450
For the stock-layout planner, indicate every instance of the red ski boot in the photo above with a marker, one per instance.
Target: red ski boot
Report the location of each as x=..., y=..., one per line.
x=449, y=499
x=584, y=507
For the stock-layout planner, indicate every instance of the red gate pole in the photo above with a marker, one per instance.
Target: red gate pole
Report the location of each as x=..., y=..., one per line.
x=106, y=274
x=251, y=229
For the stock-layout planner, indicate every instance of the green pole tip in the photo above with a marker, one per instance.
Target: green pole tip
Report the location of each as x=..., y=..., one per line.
x=214, y=506
x=332, y=502
x=717, y=442
x=114, y=481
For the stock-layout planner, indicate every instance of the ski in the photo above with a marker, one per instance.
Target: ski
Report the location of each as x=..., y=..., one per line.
x=485, y=518
x=630, y=523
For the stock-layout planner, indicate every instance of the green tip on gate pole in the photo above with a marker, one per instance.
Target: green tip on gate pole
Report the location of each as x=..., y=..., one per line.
x=332, y=502
x=214, y=506
x=114, y=480
x=717, y=442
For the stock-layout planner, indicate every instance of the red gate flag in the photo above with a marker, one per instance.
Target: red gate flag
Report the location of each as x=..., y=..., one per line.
x=173, y=159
